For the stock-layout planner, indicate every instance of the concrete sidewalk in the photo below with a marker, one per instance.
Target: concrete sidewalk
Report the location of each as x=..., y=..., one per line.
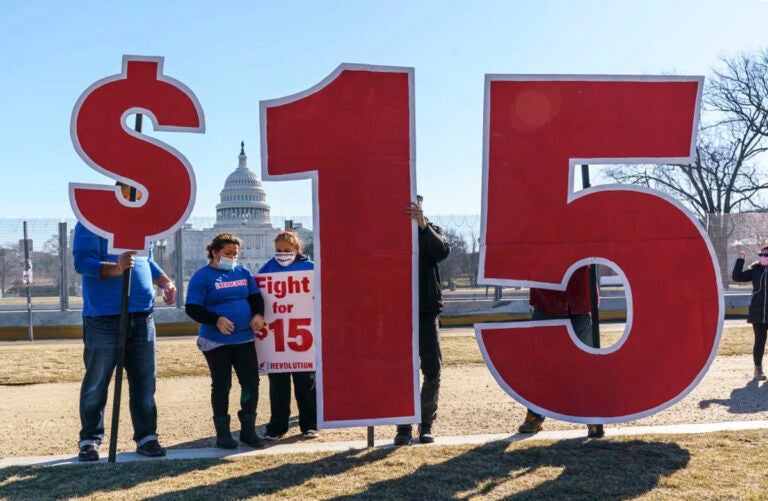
x=310, y=446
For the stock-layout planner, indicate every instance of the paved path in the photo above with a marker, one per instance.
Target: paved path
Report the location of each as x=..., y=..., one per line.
x=310, y=446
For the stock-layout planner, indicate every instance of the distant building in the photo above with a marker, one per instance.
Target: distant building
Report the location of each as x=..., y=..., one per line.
x=244, y=211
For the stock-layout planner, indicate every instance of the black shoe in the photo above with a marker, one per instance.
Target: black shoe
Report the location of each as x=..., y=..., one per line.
x=425, y=434
x=403, y=436
x=595, y=431
x=88, y=453
x=151, y=449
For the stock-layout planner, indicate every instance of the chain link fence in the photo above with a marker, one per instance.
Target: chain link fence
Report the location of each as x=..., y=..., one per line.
x=56, y=286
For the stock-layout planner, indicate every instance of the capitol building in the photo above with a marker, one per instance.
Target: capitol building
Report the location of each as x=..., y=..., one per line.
x=243, y=211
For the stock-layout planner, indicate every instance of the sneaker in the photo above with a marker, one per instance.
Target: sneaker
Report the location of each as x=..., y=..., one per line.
x=272, y=438
x=310, y=434
x=88, y=453
x=759, y=376
x=403, y=436
x=425, y=434
x=532, y=424
x=595, y=431
x=151, y=449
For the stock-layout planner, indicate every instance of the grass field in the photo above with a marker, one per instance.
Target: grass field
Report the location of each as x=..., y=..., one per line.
x=714, y=466
x=725, y=465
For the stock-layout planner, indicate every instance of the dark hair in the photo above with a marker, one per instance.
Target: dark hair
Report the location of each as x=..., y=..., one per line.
x=219, y=241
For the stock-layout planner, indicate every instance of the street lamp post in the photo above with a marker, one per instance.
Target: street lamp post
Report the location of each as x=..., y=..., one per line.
x=161, y=245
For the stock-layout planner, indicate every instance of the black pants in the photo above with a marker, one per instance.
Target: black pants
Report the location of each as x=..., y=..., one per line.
x=431, y=363
x=280, y=401
x=759, y=347
x=221, y=360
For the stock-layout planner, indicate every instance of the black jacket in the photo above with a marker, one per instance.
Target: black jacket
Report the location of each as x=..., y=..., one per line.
x=758, y=275
x=433, y=248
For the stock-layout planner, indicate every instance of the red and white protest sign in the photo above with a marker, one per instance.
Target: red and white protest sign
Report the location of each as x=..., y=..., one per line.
x=536, y=231
x=286, y=343
x=108, y=145
x=352, y=134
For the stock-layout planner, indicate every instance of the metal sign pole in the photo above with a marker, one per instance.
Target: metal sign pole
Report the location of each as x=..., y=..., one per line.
x=121, y=339
x=592, y=278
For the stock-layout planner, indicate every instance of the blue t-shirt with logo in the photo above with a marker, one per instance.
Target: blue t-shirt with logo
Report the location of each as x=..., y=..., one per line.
x=224, y=293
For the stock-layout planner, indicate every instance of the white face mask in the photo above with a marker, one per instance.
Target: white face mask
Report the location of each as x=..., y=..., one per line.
x=226, y=263
x=285, y=258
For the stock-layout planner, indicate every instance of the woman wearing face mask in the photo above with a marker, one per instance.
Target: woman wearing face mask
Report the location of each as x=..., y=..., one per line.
x=288, y=257
x=757, y=273
x=224, y=298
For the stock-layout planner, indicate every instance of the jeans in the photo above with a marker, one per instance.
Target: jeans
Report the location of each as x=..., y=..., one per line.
x=221, y=360
x=100, y=357
x=582, y=327
x=280, y=401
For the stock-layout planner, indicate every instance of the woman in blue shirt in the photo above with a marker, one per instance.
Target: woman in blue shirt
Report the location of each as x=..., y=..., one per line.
x=288, y=257
x=224, y=298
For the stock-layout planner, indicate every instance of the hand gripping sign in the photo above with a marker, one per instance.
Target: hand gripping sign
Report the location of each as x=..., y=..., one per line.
x=104, y=141
x=286, y=343
x=352, y=135
x=536, y=232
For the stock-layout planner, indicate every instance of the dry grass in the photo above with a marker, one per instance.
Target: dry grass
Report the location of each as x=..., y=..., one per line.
x=717, y=466
x=709, y=466
x=45, y=362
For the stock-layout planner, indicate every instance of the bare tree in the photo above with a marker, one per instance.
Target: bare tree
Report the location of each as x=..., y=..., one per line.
x=10, y=267
x=727, y=174
x=454, y=265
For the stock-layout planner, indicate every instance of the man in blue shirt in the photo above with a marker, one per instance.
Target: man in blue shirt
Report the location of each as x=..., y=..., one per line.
x=102, y=276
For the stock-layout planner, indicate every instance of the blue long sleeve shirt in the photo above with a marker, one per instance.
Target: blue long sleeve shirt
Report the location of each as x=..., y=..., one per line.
x=103, y=295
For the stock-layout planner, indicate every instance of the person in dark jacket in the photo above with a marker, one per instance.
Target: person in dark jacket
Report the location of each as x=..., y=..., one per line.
x=433, y=248
x=757, y=273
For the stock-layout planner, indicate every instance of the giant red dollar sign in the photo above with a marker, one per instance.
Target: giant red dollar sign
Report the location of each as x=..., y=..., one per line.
x=105, y=142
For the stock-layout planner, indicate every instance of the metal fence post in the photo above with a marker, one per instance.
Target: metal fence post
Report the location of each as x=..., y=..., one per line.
x=63, y=272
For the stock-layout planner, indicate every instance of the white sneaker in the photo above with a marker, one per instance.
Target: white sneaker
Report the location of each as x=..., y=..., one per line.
x=311, y=434
x=272, y=438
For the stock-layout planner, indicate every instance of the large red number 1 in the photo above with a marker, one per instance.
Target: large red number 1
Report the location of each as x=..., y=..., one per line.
x=536, y=231
x=351, y=134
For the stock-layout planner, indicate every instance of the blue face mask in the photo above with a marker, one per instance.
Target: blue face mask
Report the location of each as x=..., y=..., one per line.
x=226, y=263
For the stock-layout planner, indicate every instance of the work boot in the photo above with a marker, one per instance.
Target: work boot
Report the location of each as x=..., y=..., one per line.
x=532, y=424
x=595, y=431
x=248, y=433
x=403, y=436
x=224, y=438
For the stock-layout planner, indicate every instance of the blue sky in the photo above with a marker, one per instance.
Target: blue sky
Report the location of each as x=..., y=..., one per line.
x=234, y=54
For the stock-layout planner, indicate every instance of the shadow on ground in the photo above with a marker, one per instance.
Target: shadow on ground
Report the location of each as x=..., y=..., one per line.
x=572, y=469
x=747, y=400
x=583, y=468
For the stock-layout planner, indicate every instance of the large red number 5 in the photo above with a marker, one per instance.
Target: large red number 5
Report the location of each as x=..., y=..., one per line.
x=351, y=134
x=536, y=231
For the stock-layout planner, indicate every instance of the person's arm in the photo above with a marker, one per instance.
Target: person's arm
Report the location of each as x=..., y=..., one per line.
x=739, y=273
x=256, y=302
x=433, y=244
x=199, y=314
x=169, y=288
x=89, y=257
